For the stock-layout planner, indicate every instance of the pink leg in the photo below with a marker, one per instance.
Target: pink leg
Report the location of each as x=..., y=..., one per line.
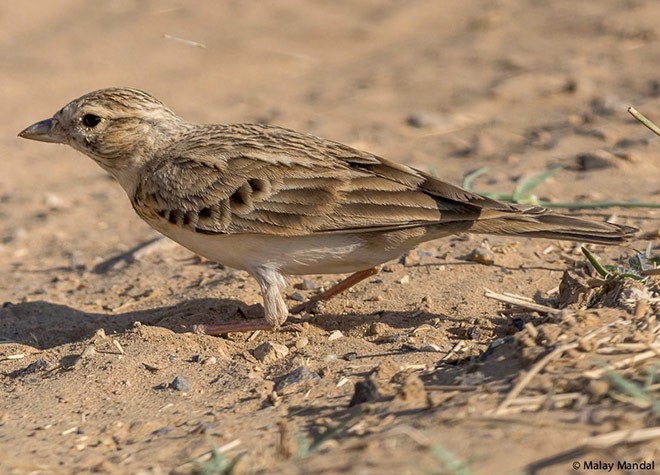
x=273, y=301
x=336, y=289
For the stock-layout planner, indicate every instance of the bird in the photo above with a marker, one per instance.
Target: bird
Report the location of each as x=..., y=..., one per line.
x=276, y=202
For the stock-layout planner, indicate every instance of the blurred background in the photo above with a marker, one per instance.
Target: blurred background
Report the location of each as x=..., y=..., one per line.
x=431, y=83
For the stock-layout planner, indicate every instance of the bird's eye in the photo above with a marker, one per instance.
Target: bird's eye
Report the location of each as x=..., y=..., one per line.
x=91, y=120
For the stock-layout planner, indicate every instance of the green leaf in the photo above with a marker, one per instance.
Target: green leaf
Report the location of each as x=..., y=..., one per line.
x=527, y=184
x=594, y=262
x=470, y=177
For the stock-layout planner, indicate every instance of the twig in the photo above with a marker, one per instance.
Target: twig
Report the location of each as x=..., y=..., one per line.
x=520, y=301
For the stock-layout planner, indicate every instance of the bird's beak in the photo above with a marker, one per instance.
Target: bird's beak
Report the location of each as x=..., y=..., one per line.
x=46, y=130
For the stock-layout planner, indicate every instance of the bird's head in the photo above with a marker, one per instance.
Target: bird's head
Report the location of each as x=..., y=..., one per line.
x=120, y=128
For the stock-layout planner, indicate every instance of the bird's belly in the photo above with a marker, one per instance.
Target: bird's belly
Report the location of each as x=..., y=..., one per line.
x=293, y=255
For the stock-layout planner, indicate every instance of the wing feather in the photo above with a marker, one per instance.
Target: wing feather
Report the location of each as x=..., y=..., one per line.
x=260, y=179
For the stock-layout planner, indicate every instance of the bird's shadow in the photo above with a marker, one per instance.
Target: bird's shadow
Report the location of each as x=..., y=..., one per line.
x=43, y=325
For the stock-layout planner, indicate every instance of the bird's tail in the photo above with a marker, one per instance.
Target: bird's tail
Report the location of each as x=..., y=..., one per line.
x=542, y=223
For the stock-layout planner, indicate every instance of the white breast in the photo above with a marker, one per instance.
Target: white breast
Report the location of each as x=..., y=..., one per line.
x=296, y=255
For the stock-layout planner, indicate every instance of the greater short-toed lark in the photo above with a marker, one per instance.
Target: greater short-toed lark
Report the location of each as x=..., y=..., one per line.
x=274, y=201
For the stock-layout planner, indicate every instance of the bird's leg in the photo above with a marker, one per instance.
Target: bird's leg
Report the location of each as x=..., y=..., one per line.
x=336, y=289
x=275, y=310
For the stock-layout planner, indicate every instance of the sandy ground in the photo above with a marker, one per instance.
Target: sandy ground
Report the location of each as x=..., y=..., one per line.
x=413, y=371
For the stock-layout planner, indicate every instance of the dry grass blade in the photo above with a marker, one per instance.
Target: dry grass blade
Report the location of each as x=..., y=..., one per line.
x=519, y=301
x=194, y=44
x=646, y=122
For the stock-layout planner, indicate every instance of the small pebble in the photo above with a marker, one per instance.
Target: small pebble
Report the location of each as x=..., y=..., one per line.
x=270, y=352
x=308, y=284
x=302, y=342
x=335, y=335
x=350, y=356
x=210, y=361
x=180, y=384
x=430, y=347
x=482, y=255
x=411, y=258
x=297, y=296
x=297, y=376
x=404, y=280
x=161, y=431
x=389, y=338
x=53, y=201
